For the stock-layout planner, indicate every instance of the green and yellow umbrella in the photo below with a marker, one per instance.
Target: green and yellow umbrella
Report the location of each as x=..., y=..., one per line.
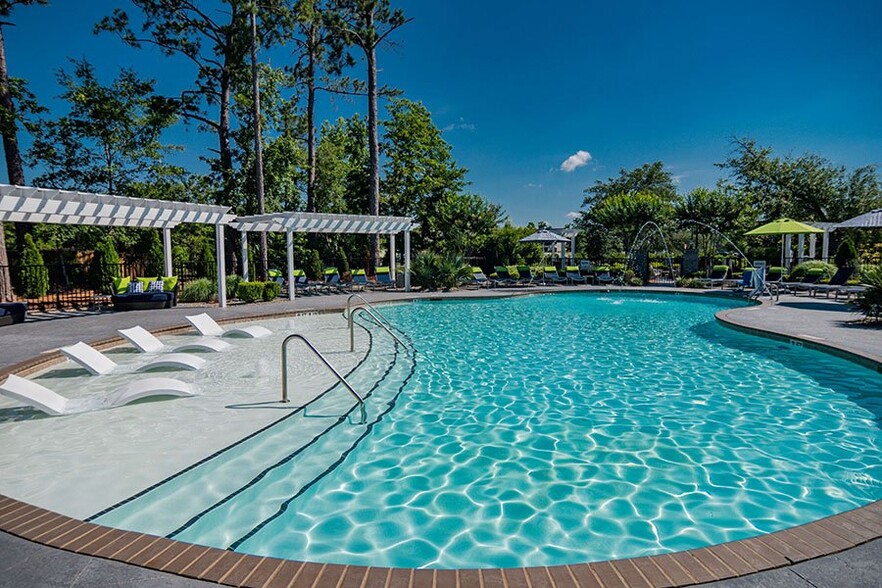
x=783, y=226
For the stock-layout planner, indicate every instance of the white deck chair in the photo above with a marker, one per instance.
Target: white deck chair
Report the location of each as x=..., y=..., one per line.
x=146, y=342
x=97, y=363
x=52, y=403
x=208, y=328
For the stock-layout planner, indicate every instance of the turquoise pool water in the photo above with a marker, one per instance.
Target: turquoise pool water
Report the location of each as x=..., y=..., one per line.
x=555, y=429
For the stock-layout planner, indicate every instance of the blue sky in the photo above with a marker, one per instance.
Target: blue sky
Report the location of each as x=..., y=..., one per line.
x=522, y=87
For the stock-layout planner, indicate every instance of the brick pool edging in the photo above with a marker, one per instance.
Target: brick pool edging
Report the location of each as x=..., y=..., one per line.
x=719, y=562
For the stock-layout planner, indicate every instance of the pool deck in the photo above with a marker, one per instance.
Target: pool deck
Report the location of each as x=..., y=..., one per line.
x=42, y=548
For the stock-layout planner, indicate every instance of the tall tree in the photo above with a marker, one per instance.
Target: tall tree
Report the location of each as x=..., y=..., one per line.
x=650, y=177
x=366, y=24
x=109, y=139
x=9, y=130
x=258, y=142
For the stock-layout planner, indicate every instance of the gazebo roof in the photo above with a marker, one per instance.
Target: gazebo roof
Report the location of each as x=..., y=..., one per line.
x=313, y=222
x=46, y=205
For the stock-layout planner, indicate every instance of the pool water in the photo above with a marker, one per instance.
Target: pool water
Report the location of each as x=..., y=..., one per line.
x=554, y=429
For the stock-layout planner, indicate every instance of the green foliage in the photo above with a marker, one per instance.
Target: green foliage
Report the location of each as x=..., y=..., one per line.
x=870, y=301
x=624, y=214
x=35, y=278
x=503, y=246
x=459, y=224
x=846, y=254
x=209, y=263
x=800, y=270
x=105, y=266
x=722, y=209
x=233, y=281
x=110, y=137
x=271, y=290
x=650, y=178
x=313, y=266
x=687, y=282
x=342, y=262
x=250, y=291
x=155, y=262
x=201, y=290
x=432, y=271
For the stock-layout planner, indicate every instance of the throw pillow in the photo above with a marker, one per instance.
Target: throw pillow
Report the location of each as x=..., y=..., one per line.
x=146, y=281
x=169, y=283
x=121, y=285
x=136, y=287
x=155, y=286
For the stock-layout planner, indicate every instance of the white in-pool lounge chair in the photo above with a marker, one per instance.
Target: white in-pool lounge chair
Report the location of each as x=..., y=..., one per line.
x=146, y=342
x=208, y=328
x=97, y=363
x=52, y=403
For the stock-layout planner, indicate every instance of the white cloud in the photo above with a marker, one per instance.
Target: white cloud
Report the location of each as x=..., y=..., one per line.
x=462, y=125
x=536, y=186
x=572, y=214
x=574, y=161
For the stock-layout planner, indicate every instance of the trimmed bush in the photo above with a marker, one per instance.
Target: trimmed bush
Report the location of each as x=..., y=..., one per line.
x=271, y=290
x=432, y=271
x=233, y=281
x=155, y=265
x=342, y=262
x=105, y=266
x=209, y=267
x=846, y=254
x=250, y=291
x=201, y=290
x=35, y=278
x=313, y=265
x=800, y=270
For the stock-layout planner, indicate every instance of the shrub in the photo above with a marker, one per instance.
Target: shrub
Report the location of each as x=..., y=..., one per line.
x=209, y=266
x=271, y=290
x=201, y=290
x=155, y=265
x=635, y=281
x=35, y=278
x=342, y=262
x=870, y=301
x=800, y=270
x=250, y=291
x=687, y=282
x=313, y=266
x=105, y=266
x=432, y=271
x=846, y=254
x=233, y=281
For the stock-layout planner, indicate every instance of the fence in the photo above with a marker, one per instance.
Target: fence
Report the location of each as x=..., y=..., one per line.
x=81, y=285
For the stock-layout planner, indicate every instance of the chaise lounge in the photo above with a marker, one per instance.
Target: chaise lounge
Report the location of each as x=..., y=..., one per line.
x=96, y=363
x=209, y=328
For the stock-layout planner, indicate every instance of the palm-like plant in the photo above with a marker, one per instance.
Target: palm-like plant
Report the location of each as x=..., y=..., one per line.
x=870, y=300
x=433, y=271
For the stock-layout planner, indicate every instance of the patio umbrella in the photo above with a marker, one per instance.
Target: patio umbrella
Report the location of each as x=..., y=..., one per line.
x=783, y=226
x=868, y=220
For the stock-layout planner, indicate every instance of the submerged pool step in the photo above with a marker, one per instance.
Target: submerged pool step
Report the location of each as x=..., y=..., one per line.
x=173, y=504
x=230, y=522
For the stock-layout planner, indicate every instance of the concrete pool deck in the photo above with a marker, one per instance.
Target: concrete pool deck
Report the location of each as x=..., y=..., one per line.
x=796, y=557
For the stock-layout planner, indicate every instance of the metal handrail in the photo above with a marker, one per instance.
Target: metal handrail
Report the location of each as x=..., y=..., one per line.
x=378, y=321
x=366, y=303
x=327, y=364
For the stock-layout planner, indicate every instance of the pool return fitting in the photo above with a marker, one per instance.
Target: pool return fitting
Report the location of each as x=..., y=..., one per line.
x=324, y=360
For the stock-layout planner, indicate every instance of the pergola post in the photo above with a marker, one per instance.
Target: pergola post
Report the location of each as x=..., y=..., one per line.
x=392, y=257
x=407, y=260
x=825, y=245
x=573, y=249
x=246, y=268
x=800, y=248
x=813, y=242
x=167, y=250
x=289, y=249
x=221, y=267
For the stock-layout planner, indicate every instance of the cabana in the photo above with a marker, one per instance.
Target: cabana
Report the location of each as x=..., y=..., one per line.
x=313, y=222
x=24, y=204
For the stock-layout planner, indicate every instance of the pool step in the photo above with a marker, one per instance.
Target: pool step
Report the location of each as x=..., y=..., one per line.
x=230, y=523
x=172, y=505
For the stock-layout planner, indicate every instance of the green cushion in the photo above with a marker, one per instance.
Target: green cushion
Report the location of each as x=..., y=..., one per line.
x=383, y=270
x=146, y=281
x=358, y=272
x=476, y=270
x=297, y=273
x=572, y=268
x=778, y=270
x=169, y=283
x=602, y=268
x=815, y=271
x=501, y=268
x=523, y=268
x=274, y=273
x=121, y=285
x=721, y=268
x=330, y=271
x=549, y=268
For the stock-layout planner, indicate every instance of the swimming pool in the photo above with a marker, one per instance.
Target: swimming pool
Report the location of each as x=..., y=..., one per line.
x=545, y=430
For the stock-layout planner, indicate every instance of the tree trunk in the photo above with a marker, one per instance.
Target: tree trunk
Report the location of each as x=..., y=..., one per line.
x=14, y=169
x=258, y=145
x=225, y=154
x=374, y=145
x=312, y=238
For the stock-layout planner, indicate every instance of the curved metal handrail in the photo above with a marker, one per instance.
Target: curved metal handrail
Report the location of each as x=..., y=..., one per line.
x=378, y=321
x=368, y=304
x=327, y=364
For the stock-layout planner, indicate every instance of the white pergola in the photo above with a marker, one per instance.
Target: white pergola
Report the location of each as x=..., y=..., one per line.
x=312, y=222
x=24, y=204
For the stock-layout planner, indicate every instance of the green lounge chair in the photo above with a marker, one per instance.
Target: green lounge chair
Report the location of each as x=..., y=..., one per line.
x=574, y=276
x=550, y=276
